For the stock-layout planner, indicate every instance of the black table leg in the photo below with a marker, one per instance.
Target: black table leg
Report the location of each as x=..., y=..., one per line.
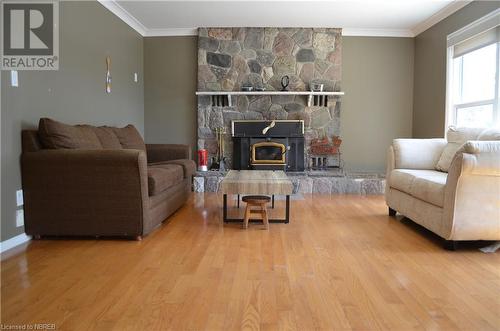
x=224, y=207
x=272, y=203
x=238, y=201
x=287, y=209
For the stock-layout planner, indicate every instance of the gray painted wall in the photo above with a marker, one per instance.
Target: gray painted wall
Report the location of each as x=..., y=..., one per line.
x=430, y=69
x=75, y=93
x=170, y=69
x=377, y=77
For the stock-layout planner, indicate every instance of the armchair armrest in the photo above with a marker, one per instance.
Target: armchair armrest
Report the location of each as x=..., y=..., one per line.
x=85, y=192
x=417, y=153
x=167, y=152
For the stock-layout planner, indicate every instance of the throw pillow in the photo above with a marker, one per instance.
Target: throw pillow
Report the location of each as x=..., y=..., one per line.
x=107, y=137
x=456, y=138
x=130, y=138
x=57, y=135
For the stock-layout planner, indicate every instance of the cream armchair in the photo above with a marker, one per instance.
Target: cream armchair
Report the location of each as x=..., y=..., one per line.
x=463, y=204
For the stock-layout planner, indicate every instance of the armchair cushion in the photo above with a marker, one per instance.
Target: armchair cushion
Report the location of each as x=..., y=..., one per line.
x=426, y=185
x=163, y=176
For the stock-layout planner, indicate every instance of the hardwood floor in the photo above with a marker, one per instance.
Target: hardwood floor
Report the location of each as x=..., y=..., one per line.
x=341, y=264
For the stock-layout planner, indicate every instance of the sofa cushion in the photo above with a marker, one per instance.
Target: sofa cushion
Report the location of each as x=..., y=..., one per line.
x=57, y=135
x=130, y=138
x=163, y=176
x=107, y=137
x=456, y=137
x=417, y=153
x=189, y=166
x=426, y=185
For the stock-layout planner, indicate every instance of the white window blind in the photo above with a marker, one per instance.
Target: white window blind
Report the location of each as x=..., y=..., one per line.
x=481, y=40
x=486, y=23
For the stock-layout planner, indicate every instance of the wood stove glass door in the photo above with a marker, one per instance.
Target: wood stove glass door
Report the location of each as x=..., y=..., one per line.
x=268, y=153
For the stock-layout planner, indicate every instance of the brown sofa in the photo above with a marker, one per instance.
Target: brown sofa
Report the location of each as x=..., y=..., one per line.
x=100, y=181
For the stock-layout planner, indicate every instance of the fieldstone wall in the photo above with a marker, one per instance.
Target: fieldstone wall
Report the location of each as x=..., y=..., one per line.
x=229, y=58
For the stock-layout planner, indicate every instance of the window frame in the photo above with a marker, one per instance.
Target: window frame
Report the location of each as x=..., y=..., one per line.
x=452, y=108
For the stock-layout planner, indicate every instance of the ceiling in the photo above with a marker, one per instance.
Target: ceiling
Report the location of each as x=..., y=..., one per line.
x=396, y=18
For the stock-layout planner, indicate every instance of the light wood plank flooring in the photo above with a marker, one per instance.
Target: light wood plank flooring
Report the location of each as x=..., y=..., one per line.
x=341, y=264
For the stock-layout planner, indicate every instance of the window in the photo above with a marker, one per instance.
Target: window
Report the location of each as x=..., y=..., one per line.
x=473, y=76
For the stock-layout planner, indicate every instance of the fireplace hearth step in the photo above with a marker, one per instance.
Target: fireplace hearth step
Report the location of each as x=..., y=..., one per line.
x=307, y=182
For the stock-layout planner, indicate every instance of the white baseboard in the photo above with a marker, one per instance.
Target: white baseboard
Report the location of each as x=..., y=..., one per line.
x=13, y=242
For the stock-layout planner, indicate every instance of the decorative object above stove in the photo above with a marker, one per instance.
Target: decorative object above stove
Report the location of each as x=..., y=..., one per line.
x=268, y=145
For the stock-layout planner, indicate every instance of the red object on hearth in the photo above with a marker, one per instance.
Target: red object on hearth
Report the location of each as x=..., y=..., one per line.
x=202, y=160
x=323, y=146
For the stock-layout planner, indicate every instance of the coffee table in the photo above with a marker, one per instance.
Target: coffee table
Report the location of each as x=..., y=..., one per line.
x=256, y=182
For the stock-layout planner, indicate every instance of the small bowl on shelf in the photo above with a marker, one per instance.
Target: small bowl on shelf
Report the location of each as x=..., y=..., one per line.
x=317, y=87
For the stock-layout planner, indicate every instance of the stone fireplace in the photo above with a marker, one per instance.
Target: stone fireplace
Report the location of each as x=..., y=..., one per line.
x=229, y=58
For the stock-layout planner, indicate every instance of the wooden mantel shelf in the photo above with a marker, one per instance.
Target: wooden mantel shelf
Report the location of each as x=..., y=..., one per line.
x=314, y=98
x=268, y=93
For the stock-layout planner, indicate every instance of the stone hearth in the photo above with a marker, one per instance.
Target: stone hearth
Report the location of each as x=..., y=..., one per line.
x=324, y=182
x=229, y=58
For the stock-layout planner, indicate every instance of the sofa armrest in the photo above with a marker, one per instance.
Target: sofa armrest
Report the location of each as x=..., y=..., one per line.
x=472, y=194
x=167, y=152
x=417, y=153
x=482, y=146
x=389, y=168
x=85, y=192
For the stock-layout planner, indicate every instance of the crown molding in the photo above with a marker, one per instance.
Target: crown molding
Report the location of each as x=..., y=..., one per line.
x=134, y=23
x=439, y=16
x=171, y=32
x=124, y=15
x=355, y=32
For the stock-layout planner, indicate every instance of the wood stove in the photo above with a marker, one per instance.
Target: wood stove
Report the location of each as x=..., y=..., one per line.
x=268, y=145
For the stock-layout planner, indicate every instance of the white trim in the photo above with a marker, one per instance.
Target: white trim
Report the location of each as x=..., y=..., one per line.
x=124, y=15
x=450, y=114
x=171, y=32
x=345, y=32
x=439, y=16
x=376, y=32
x=13, y=242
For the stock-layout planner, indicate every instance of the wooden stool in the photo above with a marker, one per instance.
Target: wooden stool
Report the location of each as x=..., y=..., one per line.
x=256, y=201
